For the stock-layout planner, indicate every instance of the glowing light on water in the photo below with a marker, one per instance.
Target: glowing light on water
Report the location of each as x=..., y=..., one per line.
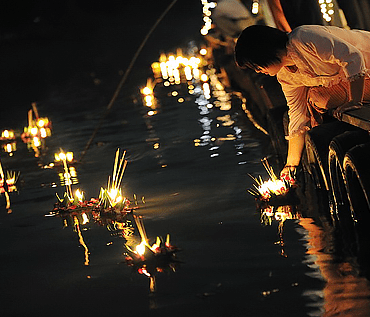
x=255, y=6
x=81, y=240
x=7, y=135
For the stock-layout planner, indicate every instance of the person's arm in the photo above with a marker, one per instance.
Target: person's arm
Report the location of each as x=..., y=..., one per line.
x=357, y=91
x=279, y=16
x=299, y=121
x=295, y=149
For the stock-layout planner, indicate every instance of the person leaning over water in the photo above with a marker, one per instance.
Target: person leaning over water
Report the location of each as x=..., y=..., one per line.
x=319, y=68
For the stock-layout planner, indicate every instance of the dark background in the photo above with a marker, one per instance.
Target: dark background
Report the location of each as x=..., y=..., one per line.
x=48, y=46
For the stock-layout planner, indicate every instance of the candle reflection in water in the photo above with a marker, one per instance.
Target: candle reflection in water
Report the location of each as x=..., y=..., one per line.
x=79, y=233
x=8, y=141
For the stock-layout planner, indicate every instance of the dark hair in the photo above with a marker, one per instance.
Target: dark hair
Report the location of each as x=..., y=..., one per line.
x=260, y=46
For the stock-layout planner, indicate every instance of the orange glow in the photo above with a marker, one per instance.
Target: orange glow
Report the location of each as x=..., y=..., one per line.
x=10, y=147
x=43, y=133
x=34, y=131
x=115, y=196
x=63, y=156
x=79, y=195
x=203, y=77
x=147, y=90
x=7, y=134
x=36, y=141
x=346, y=292
x=140, y=249
x=81, y=240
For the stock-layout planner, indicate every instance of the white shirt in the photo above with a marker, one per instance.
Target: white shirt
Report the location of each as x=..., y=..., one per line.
x=324, y=56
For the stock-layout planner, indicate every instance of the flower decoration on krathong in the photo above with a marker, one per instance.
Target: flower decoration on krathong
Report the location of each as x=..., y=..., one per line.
x=151, y=259
x=274, y=186
x=73, y=203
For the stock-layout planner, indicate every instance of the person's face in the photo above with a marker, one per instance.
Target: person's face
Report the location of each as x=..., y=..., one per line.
x=270, y=70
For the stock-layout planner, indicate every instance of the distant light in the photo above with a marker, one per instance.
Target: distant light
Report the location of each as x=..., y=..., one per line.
x=203, y=51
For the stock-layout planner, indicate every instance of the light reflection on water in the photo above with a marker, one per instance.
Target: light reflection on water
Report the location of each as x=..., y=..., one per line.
x=346, y=292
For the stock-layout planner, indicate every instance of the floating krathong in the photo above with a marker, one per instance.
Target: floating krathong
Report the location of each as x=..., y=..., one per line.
x=111, y=198
x=275, y=195
x=8, y=141
x=273, y=187
x=37, y=130
x=151, y=259
x=7, y=135
x=8, y=184
x=60, y=157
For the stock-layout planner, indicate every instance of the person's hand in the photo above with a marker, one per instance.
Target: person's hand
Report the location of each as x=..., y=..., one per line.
x=350, y=105
x=288, y=173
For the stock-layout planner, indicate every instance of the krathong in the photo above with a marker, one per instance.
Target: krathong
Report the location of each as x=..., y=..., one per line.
x=266, y=191
x=276, y=200
x=274, y=195
x=110, y=199
x=8, y=184
x=151, y=259
x=37, y=130
x=7, y=135
x=8, y=141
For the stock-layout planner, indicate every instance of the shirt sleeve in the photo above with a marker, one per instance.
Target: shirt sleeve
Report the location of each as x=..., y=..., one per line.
x=327, y=47
x=299, y=117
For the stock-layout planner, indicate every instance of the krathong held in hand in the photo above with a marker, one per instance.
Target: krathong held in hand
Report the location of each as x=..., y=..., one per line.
x=274, y=196
x=151, y=259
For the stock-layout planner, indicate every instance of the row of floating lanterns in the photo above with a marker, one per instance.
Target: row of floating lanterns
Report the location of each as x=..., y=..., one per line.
x=33, y=135
x=113, y=204
x=175, y=69
x=38, y=129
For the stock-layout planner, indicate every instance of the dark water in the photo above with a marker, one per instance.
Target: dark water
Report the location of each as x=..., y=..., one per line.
x=232, y=266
